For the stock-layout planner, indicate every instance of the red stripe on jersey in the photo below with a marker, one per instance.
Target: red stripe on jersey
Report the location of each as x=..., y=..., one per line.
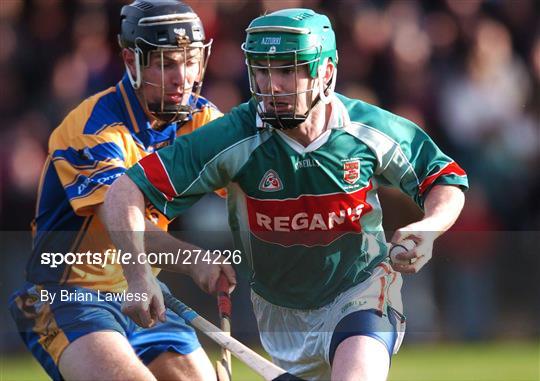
x=309, y=220
x=451, y=168
x=157, y=175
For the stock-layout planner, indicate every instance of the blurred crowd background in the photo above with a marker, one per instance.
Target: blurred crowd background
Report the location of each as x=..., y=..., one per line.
x=466, y=71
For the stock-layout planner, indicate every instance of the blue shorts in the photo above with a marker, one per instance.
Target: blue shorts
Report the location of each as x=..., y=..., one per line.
x=382, y=327
x=48, y=328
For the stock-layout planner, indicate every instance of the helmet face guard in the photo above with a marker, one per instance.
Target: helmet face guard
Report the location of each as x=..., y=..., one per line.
x=302, y=41
x=281, y=120
x=161, y=110
x=150, y=29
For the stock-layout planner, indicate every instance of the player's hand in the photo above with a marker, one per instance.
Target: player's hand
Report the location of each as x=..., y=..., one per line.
x=206, y=275
x=421, y=253
x=147, y=310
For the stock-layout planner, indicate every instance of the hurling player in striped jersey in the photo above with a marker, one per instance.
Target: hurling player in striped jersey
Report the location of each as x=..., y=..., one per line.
x=75, y=316
x=302, y=165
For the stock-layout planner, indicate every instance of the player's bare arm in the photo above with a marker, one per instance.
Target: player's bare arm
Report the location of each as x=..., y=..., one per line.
x=442, y=207
x=203, y=273
x=126, y=224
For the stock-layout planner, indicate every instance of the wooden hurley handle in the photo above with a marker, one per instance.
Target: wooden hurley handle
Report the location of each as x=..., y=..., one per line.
x=224, y=365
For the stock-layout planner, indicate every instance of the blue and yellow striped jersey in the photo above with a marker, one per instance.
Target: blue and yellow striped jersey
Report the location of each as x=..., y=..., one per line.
x=95, y=144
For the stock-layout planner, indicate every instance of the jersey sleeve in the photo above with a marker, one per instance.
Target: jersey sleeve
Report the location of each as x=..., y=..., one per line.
x=200, y=118
x=415, y=164
x=212, y=113
x=175, y=177
x=87, y=166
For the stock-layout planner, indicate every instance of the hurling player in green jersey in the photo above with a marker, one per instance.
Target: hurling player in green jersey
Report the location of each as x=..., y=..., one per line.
x=302, y=165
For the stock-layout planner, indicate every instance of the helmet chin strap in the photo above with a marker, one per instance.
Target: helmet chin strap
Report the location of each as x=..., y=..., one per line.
x=326, y=98
x=135, y=83
x=283, y=121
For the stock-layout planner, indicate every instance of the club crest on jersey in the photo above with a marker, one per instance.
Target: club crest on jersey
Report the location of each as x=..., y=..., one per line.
x=351, y=171
x=271, y=182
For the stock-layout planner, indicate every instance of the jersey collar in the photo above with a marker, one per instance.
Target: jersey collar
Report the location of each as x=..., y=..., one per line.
x=138, y=122
x=339, y=118
x=136, y=118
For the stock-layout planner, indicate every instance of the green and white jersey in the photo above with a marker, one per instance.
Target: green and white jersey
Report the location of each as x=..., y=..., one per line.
x=307, y=219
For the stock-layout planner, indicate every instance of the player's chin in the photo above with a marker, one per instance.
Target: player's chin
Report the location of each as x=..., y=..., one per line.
x=170, y=104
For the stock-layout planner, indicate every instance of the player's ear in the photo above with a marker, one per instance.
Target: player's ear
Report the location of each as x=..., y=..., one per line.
x=128, y=56
x=329, y=70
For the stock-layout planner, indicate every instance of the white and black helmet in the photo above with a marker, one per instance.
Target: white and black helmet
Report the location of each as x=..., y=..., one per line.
x=162, y=25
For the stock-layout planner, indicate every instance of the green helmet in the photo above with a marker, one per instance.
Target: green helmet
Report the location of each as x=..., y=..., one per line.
x=292, y=34
x=300, y=37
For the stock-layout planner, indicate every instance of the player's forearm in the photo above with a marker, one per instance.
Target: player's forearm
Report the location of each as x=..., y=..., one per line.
x=123, y=216
x=157, y=240
x=442, y=207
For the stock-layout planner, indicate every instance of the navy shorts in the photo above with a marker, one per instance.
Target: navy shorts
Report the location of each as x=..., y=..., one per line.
x=48, y=328
x=382, y=327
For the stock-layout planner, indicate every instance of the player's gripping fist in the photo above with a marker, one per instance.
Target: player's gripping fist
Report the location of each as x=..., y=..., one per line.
x=398, y=252
x=411, y=248
x=150, y=308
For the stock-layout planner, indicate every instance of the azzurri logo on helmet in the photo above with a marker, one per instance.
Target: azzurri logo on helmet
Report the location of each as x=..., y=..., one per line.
x=157, y=27
x=300, y=38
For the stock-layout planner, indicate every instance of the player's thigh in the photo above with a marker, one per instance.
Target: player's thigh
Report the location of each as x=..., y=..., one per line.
x=103, y=355
x=171, y=350
x=49, y=328
x=195, y=366
x=361, y=358
x=362, y=344
x=293, y=338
